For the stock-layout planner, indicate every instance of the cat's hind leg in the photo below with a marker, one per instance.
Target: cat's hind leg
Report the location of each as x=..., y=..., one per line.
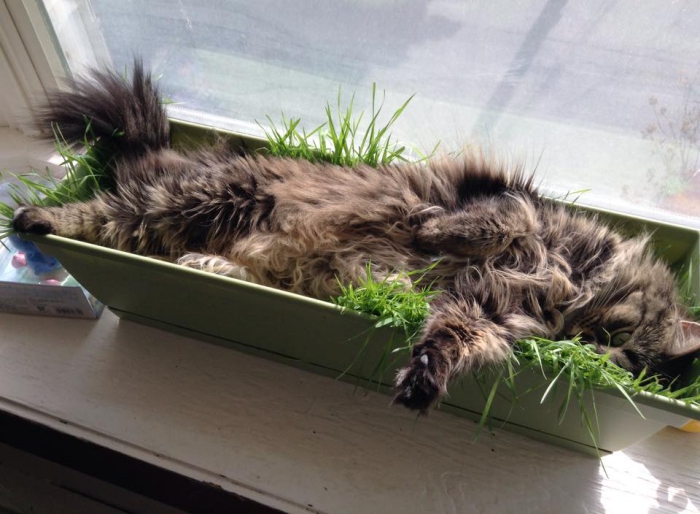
x=216, y=264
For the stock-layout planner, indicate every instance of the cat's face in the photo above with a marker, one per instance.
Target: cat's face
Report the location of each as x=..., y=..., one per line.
x=635, y=318
x=632, y=332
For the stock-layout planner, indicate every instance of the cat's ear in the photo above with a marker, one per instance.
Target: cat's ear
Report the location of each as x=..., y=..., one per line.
x=687, y=342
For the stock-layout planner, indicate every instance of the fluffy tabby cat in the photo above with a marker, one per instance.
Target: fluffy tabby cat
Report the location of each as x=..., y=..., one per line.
x=512, y=264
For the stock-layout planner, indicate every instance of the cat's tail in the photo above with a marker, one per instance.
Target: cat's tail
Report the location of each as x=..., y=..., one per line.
x=104, y=106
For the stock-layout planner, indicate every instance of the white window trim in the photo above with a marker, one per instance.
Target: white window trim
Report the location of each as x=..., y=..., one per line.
x=34, y=34
x=30, y=64
x=20, y=83
x=29, y=67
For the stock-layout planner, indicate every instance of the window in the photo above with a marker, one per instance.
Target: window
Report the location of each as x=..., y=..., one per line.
x=602, y=97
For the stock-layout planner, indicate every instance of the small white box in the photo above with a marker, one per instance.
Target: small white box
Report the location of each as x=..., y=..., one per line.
x=53, y=293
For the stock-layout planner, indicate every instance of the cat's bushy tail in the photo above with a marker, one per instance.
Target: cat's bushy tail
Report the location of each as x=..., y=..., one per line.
x=106, y=106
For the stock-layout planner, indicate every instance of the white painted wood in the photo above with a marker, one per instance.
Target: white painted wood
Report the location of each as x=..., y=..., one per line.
x=298, y=441
x=29, y=63
x=15, y=89
x=44, y=60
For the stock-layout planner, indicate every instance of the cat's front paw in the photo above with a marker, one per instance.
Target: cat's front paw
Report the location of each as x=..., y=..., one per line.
x=32, y=220
x=423, y=382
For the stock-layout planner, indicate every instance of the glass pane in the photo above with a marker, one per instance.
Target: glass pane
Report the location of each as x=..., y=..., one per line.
x=602, y=96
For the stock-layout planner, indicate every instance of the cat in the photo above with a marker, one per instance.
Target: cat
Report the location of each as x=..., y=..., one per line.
x=509, y=263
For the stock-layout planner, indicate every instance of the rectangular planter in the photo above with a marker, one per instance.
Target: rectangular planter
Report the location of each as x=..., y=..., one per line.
x=319, y=337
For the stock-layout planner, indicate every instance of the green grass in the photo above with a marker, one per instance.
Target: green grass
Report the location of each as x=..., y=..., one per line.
x=392, y=303
x=84, y=177
x=343, y=138
x=577, y=369
x=581, y=365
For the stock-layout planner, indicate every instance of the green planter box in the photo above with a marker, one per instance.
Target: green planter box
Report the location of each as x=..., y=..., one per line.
x=318, y=337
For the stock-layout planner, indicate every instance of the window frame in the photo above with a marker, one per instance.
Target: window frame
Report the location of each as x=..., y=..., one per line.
x=29, y=64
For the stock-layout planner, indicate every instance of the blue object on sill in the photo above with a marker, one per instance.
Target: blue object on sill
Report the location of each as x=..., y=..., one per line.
x=37, y=261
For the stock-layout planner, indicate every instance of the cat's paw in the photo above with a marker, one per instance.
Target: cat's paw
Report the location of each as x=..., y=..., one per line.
x=32, y=220
x=429, y=236
x=417, y=219
x=423, y=382
x=215, y=264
